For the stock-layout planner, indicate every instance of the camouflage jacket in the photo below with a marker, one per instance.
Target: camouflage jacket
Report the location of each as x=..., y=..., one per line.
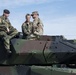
x=27, y=29
x=5, y=23
x=37, y=27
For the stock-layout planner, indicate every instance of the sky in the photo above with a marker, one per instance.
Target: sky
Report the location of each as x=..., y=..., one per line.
x=58, y=16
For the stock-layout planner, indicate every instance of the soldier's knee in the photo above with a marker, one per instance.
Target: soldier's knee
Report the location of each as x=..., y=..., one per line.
x=2, y=33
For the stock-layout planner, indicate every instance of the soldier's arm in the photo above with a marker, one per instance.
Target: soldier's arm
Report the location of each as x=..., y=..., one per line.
x=39, y=30
x=2, y=26
x=13, y=31
x=0, y=21
x=11, y=28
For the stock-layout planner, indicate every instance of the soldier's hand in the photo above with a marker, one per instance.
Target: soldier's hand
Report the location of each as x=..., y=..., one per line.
x=36, y=33
x=8, y=30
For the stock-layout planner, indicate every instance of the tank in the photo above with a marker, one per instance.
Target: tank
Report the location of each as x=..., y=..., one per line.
x=49, y=55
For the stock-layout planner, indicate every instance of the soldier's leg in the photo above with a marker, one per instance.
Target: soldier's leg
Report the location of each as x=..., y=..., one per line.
x=2, y=34
x=13, y=33
x=6, y=40
x=6, y=43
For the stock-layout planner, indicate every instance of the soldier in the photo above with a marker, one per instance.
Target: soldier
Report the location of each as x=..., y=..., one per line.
x=27, y=27
x=37, y=24
x=7, y=31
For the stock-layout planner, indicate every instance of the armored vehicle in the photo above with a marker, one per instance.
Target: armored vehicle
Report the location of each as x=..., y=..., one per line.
x=48, y=55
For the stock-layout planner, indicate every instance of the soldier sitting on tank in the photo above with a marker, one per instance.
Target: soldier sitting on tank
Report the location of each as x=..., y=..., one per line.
x=27, y=27
x=37, y=24
x=7, y=31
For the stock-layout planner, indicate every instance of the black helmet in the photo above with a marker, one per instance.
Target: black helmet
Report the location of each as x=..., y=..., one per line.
x=6, y=11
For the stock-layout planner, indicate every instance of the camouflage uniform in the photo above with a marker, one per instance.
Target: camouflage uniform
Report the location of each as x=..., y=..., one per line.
x=27, y=30
x=6, y=36
x=38, y=27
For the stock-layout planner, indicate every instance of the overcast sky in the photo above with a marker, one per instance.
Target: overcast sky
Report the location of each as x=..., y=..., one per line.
x=58, y=16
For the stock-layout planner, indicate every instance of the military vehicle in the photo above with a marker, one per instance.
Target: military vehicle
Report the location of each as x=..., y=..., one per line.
x=48, y=55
